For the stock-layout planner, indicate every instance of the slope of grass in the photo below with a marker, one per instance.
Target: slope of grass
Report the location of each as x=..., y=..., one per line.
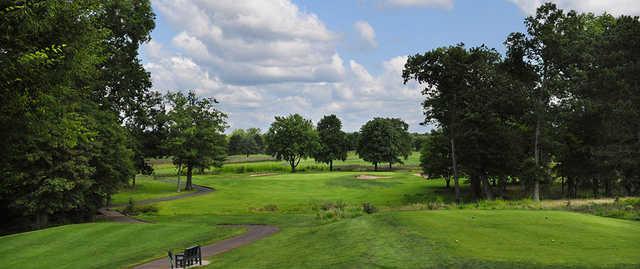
x=103, y=245
x=146, y=188
x=297, y=193
x=449, y=238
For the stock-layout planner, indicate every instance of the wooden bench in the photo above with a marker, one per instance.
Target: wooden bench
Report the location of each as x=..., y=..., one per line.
x=191, y=256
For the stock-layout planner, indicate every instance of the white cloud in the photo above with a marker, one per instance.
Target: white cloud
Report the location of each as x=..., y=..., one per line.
x=253, y=42
x=266, y=58
x=446, y=4
x=366, y=33
x=615, y=7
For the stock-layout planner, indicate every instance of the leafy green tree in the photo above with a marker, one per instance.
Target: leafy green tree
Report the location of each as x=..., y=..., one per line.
x=352, y=140
x=442, y=71
x=196, y=137
x=332, y=141
x=434, y=156
x=384, y=140
x=292, y=138
x=64, y=154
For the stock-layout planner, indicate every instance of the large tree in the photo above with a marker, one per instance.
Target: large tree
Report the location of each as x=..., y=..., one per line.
x=384, y=140
x=292, y=138
x=66, y=152
x=196, y=138
x=333, y=143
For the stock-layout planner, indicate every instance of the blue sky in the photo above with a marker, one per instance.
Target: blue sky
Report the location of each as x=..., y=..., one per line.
x=264, y=58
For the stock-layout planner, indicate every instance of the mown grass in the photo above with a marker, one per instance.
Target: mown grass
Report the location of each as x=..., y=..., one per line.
x=323, y=226
x=146, y=188
x=449, y=239
x=103, y=245
x=263, y=163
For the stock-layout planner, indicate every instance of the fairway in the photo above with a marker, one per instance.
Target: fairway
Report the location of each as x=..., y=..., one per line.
x=322, y=226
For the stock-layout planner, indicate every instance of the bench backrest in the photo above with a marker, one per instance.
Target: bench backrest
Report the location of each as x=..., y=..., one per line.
x=192, y=252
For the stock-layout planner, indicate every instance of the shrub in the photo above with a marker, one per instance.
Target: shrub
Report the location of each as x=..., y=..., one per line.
x=369, y=208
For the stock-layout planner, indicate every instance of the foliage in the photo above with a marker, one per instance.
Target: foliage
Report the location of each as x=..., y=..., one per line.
x=195, y=130
x=67, y=150
x=384, y=140
x=292, y=138
x=333, y=143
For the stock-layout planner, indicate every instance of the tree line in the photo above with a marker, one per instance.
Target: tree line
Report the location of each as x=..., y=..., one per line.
x=381, y=140
x=561, y=106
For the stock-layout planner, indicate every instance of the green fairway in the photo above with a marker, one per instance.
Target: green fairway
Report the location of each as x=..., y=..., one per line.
x=450, y=238
x=323, y=226
x=103, y=245
x=263, y=163
x=146, y=188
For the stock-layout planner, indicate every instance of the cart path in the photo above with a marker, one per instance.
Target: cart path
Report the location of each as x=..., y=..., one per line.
x=109, y=214
x=254, y=233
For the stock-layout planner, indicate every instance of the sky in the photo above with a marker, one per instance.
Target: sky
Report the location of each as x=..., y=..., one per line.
x=267, y=58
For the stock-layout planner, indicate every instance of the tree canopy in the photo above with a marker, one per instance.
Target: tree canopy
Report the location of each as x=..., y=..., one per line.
x=333, y=141
x=292, y=138
x=195, y=129
x=384, y=140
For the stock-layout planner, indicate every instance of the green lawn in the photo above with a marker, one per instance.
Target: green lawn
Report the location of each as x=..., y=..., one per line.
x=449, y=238
x=263, y=163
x=323, y=226
x=146, y=188
x=103, y=245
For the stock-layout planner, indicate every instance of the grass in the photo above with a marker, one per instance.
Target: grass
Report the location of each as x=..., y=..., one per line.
x=103, y=245
x=264, y=163
x=448, y=238
x=146, y=188
x=323, y=225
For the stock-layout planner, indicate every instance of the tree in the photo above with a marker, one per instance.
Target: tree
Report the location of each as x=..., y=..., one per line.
x=195, y=133
x=352, y=140
x=333, y=143
x=434, y=156
x=65, y=153
x=292, y=138
x=245, y=142
x=443, y=73
x=384, y=140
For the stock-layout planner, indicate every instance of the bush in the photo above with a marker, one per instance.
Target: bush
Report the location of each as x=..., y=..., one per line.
x=369, y=208
x=131, y=209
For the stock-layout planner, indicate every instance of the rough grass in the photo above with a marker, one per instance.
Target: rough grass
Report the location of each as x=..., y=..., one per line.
x=103, y=245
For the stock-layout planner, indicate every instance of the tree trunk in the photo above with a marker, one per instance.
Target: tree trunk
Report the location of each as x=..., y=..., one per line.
x=331, y=166
x=562, y=186
x=375, y=166
x=447, y=179
x=476, y=190
x=486, y=187
x=179, y=172
x=188, y=185
x=42, y=220
x=134, y=182
x=389, y=166
x=456, y=181
x=595, y=187
x=536, y=153
x=292, y=163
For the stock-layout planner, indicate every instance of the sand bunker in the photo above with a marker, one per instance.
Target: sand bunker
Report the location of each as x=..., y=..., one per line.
x=262, y=174
x=369, y=177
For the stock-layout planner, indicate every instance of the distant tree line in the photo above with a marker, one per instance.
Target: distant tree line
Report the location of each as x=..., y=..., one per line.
x=293, y=138
x=561, y=106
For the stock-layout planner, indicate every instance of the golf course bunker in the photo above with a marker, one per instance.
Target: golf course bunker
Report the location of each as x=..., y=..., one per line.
x=368, y=177
x=262, y=174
